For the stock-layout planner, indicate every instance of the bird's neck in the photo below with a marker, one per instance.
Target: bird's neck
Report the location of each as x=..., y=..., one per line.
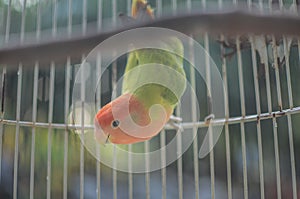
x=155, y=107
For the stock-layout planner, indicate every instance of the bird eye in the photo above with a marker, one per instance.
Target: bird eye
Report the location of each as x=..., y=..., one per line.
x=115, y=123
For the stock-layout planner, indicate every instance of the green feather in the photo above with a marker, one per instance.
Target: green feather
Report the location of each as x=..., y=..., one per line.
x=154, y=93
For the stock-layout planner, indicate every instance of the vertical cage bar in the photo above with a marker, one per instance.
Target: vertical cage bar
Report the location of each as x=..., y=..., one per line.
x=189, y=5
x=268, y=86
x=203, y=2
x=163, y=164
x=51, y=100
x=275, y=127
x=298, y=42
x=174, y=6
x=128, y=7
x=194, y=108
x=84, y=27
x=1, y=142
x=277, y=166
x=179, y=157
x=114, y=12
x=147, y=173
x=34, y=115
x=227, y=138
x=179, y=143
x=228, y=162
x=159, y=7
x=7, y=34
x=67, y=99
x=208, y=82
x=99, y=16
x=292, y=154
x=287, y=68
x=258, y=111
x=290, y=129
x=7, y=28
x=38, y=20
x=162, y=134
x=115, y=196
x=66, y=138
x=84, y=16
x=50, y=117
x=114, y=85
x=277, y=76
x=267, y=78
x=130, y=179
x=276, y=147
x=243, y=112
x=70, y=18
x=226, y=101
x=82, y=92
x=98, y=93
x=194, y=118
x=98, y=100
x=34, y=104
x=23, y=22
x=2, y=115
x=293, y=163
x=18, y=112
x=54, y=19
x=130, y=176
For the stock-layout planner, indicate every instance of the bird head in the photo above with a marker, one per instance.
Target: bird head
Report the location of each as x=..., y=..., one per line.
x=126, y=120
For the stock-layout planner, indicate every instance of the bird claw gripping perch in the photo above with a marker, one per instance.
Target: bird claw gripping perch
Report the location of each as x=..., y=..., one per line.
x=208, y=118
x=175, y=122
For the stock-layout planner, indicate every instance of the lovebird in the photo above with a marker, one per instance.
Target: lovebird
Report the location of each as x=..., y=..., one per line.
x=147, y=102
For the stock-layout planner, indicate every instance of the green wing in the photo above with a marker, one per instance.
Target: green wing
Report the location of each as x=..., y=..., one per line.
x=128, y=80
x=154, y=93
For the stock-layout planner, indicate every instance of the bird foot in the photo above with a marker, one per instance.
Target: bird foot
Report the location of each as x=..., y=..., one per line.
x=208, y=118
x=175, y=122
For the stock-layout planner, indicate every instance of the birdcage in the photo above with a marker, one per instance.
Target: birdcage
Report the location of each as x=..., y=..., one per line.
x=255, y=48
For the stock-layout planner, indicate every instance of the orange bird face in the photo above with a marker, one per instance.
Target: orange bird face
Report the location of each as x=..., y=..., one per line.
x=125, y=120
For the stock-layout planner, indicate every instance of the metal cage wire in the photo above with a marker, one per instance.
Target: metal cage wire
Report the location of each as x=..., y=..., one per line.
x=183, y=180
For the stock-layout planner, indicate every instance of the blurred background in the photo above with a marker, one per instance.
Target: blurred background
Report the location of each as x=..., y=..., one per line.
x=252, y=159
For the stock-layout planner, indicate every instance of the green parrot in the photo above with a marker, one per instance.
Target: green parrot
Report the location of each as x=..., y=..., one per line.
x=153, y=83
